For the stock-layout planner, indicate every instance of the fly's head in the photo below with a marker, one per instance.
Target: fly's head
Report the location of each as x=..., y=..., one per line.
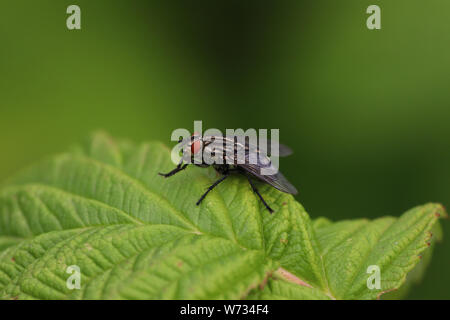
x=192, y=146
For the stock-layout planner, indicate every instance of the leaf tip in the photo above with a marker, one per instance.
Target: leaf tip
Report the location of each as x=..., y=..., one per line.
x=441, y=212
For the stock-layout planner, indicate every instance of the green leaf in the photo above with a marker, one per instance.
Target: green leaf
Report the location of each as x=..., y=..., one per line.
x=348, y=248
x=416, y=275
x=135, y=235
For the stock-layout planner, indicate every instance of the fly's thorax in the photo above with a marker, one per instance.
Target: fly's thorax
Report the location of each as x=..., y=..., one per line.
x=213, y=150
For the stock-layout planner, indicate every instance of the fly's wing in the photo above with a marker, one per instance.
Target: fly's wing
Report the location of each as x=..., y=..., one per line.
x=254, y=160
x=283, y=150
x=277, y=180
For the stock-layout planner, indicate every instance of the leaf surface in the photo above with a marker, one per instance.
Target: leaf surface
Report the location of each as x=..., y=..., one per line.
x=135, y=235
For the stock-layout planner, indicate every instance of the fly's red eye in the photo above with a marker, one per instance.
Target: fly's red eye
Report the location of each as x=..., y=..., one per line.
x=195, y=147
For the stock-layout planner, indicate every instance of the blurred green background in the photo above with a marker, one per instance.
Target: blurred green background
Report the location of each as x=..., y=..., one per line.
x=366, y=111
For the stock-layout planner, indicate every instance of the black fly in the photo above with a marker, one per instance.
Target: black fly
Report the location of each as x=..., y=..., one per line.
x=229, y=149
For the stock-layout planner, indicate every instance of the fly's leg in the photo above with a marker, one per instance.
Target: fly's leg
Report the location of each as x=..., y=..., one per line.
x=179, y=168
x=211, y=187
x=259, y=195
